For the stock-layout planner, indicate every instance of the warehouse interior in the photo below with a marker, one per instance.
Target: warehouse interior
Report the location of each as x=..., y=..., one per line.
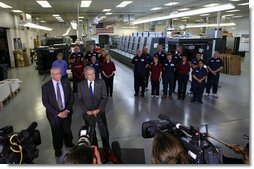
x=32, y=35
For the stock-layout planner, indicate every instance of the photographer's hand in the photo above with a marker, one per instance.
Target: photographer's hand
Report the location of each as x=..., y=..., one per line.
x=236, y=148
x=97, y=157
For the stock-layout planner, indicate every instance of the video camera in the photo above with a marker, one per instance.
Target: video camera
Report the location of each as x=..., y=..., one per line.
x=198, y=147
x=19, y=148
x=86, y=134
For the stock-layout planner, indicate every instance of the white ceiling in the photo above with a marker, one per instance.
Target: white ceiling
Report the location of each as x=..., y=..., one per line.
x=67, y=9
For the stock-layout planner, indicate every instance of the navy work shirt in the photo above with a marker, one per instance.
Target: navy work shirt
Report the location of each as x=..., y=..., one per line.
x=169, y=67
x=97, y=68
x=162, y=56
x=139, y=64
x=215, y=64
x=74, y=55
x=177, y=58
x=89, y=55
x=199, y=73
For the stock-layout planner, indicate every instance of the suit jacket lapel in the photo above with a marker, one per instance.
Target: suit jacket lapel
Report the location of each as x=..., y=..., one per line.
x=64, y=90
x=95, y=87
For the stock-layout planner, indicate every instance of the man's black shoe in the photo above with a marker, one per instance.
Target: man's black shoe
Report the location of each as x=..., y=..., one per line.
x=142, y=95
x=193, y=100
x=58, y=153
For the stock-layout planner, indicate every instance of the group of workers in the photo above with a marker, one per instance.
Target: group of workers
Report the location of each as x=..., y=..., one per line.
x=169, y=68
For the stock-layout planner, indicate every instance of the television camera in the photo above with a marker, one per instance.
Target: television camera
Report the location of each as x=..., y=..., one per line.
x=197, y=145
x=87, y=134
x=19, y=148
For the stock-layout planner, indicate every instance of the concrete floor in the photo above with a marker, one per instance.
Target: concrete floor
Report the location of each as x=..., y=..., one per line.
x=228, y=117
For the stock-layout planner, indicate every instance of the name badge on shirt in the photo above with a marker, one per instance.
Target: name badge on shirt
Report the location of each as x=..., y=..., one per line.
x=142, y=60
x=197, y=71
x=166, y=64
x=217, y=60
x=94, y=54
x=172, y=64
x=212, y=61
x=136, y=60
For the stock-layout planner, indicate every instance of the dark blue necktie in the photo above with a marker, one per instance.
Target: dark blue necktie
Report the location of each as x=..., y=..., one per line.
x=91, y=89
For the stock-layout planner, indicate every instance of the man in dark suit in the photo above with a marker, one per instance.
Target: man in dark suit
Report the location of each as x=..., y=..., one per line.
x=92, y=96
x=58, y=98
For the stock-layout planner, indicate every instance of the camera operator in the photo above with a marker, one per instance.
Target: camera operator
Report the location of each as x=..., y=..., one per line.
x=83, y=154
x=167, y=149
x=239, y=150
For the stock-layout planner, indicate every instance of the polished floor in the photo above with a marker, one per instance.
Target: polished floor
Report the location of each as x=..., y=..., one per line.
x=228, y=117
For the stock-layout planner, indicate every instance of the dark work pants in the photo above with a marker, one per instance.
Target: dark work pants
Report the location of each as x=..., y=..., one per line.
x=109, y=84
x=61, y=132
x=212, y=81
x=103, y=129
x=75, y=85
x=198, y=90
x=155, y=87
x=147, y=77
x=168, y=82
x=182, y=85
x=175, y=79
x=139, y=80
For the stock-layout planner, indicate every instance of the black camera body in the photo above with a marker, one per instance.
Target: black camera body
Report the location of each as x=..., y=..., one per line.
x=198, y=147
x=86, y=135
x=19, y=148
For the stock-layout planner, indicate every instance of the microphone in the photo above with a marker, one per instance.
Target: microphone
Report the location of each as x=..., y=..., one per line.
x=32, y=127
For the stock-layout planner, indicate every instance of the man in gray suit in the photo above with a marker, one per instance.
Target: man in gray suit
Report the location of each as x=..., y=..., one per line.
x=92, y=96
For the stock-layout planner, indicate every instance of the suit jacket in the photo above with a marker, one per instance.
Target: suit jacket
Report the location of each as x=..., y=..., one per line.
x=99, y=99
x=50, y=102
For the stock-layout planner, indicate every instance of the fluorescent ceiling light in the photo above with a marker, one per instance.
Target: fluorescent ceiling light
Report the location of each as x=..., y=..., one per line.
x=237, y=16
x=206, y=25
x=74, y=25
x=4, y=5
x=42, y=21
x=106, y=10
x=32, y=25
x=243, y=4
x=184, y=20
x=85, y=4
x=171, y=4
x=155, y=8
x=228, y=15
x=130, y=27
x=108, y=13
x=81, y=17
x=184, y=9
x=103, y=17
x=17, y=11
x=44, y=4
x=186, y=13
x=235, y=10
x=124, y=4
x=55, y=15
x=186, y=17
x=234, y=0
x=210, y=5
x=206, y=14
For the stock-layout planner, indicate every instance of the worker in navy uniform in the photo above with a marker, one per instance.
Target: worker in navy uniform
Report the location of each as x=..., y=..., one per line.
x=76, y=54
x=96, y=65
x=162, y=55
x=177, y=58
x=194, y=64
x=149, y=60
x=183, y=69
x=91, y=52
x=214, y=66
x=168, y=76
x=140, y=65
x=199, y=75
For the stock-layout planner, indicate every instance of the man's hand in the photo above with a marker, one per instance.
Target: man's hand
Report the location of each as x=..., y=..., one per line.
x=95, y=112
x=89, y=113
x=63, y=114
